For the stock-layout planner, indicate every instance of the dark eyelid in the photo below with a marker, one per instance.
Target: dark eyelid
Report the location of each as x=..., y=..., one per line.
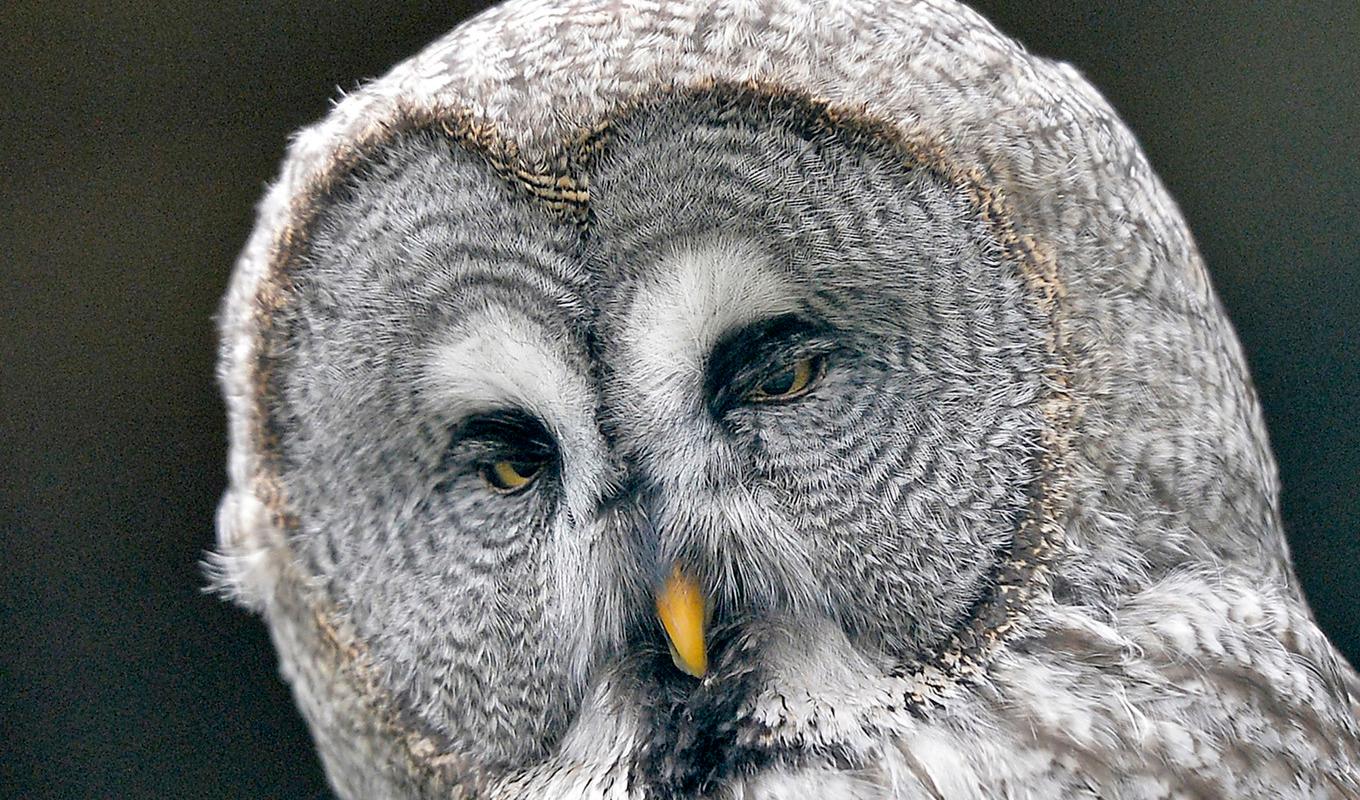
x=743, y=356
x=506, y=433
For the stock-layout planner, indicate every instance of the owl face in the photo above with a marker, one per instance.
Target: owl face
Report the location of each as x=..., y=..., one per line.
x=775, y=351
x=781, y=399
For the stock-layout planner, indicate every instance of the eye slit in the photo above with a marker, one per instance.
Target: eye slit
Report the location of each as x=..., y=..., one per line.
x=509, y=476
x=791, y=382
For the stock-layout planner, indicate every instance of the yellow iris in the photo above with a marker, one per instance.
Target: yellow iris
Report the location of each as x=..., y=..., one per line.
x=510, y=476
x=795, y=380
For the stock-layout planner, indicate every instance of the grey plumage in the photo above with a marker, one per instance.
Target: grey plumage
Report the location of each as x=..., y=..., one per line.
x=1020, y=539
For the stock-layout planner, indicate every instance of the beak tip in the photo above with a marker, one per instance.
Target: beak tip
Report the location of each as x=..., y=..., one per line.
x=694, y=666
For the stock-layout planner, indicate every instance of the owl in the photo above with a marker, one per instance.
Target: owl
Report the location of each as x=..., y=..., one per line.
x=667, y=399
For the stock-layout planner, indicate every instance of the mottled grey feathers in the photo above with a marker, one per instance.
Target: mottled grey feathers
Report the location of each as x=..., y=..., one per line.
x=1020, y=540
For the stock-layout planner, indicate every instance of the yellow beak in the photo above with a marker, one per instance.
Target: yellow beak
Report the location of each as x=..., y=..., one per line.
x=680, y=604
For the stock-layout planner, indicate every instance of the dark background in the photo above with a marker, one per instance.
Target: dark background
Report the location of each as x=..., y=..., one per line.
x=135, y=142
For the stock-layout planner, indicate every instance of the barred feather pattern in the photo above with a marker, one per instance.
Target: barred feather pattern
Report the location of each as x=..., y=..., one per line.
x=1020, y=540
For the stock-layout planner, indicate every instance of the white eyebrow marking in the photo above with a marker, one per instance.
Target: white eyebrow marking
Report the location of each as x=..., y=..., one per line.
x=497, y=359
x=702, y=290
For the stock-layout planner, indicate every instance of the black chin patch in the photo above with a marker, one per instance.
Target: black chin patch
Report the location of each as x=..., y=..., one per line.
x=698, y=733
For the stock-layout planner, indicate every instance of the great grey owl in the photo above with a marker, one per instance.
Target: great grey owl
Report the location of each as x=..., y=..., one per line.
x=758, y=400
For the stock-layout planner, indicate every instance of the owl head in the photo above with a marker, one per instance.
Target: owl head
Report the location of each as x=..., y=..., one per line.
x=670, y=394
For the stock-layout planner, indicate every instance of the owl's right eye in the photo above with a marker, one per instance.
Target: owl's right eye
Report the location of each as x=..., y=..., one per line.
x=510, y=450
x=509, y=476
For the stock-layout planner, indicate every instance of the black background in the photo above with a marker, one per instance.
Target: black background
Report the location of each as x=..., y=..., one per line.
x=136, y=140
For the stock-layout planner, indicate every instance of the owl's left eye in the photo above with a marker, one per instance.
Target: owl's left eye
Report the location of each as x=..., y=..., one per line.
x=790, y=381
x=769, y=362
